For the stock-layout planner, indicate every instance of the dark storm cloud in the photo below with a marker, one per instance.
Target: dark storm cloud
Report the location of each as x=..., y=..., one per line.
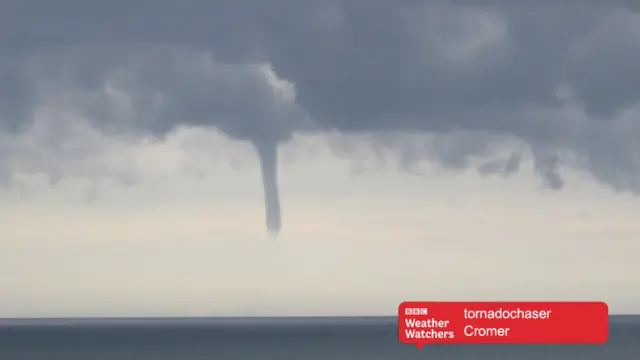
x=497, y=68
x=561, y=77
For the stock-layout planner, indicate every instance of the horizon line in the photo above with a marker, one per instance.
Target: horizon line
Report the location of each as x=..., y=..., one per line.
x=224, y=317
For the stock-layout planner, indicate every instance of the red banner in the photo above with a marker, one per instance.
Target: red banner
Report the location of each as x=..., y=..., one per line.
x=422, y=323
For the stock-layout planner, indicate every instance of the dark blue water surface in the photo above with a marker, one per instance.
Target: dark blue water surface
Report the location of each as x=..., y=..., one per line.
x=272, y=339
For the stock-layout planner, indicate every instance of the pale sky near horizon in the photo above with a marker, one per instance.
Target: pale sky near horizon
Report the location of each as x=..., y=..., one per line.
x=428, y=151
x=175, y=244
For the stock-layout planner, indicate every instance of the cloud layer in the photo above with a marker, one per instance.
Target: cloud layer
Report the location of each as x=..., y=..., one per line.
x=558, y=80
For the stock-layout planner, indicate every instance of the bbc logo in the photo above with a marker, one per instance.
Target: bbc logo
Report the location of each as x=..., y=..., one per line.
x=416, y=311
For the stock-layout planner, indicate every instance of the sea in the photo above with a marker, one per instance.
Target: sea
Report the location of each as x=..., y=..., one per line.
x=365, y=338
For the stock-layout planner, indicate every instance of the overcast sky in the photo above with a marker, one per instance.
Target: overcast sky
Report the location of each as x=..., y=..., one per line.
x=402, y=150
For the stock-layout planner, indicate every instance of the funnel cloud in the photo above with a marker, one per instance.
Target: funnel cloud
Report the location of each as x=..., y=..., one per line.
x=268, y=155
x=554, y=84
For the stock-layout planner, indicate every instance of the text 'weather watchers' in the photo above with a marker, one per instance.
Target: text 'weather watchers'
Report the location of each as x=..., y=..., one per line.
x=422, y=323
